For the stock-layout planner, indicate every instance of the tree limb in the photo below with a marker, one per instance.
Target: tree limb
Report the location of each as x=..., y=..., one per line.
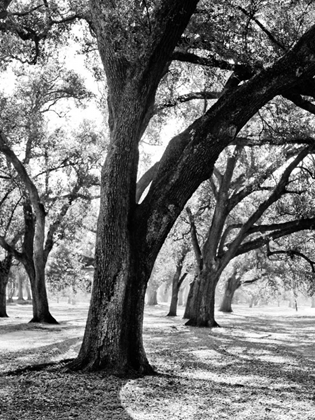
x=290, y=253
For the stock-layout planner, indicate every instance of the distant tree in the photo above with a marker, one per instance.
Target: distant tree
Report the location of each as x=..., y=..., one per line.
x=64, y=271
x=227, y=237
x=5, y=266
x=244, y=270
x=38, y=190
x=178, y=277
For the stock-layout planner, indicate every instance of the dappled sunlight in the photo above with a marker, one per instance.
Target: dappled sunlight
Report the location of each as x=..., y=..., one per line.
x=252, y=368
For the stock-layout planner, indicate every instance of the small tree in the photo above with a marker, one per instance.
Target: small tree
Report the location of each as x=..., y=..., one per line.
x=178, y=277
x=5, y=266
x=64, y=272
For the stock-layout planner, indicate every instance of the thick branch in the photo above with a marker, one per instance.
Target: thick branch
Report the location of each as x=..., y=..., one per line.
x=291, y=253
x=10, y=249
x=202, y=95
x=286, y=229
x=190, y=156
x=20, y=169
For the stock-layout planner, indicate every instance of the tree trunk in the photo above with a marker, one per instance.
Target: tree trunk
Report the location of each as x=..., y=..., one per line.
x=41, y=311
x=20, y=287
x=113, y=334
x=34, y=263
x=232, y=284
x=177, y=282
x=5, y=266
x=113, y=337
x=3, y=300
x=190, y=298
x=203, y=302
x=151, y=294
x=178, y=279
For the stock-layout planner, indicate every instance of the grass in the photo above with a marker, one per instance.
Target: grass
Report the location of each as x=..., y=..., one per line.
x=259, y=365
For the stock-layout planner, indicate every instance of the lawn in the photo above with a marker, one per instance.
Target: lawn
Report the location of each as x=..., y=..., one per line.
x=259, y=365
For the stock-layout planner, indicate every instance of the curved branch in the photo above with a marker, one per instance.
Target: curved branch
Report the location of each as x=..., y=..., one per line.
x=290, y=253
x=202, y=95
x=9, y=248
x=300, y=102
x=286, y=229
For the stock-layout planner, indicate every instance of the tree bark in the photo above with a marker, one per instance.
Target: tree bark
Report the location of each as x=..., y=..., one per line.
x=232, y=284
x=5, y=266
x=189, y=309
x=116, y=345
x=203, y=304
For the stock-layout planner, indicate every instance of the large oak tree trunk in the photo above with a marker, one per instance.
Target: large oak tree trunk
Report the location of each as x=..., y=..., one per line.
x=5, y=266
x=203, y=303
x=113, y=335
x=113, y=339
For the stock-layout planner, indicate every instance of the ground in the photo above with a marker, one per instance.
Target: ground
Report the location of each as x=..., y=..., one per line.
x=259, y=365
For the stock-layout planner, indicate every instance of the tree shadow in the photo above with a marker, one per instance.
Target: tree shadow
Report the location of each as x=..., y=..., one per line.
x=50, y=392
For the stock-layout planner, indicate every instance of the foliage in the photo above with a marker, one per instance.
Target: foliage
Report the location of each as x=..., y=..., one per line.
x=65, y=270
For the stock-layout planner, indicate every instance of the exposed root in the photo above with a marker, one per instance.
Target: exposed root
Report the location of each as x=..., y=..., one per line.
x=48, y=319
x=127, y=371
x=36, y=368
x=202, y=323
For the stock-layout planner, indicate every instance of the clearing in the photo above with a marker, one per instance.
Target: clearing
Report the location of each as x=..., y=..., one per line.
x=259, y=365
